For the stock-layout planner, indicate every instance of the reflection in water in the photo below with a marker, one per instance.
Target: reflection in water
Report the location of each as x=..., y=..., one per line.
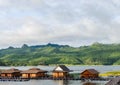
x=89, y=83
x=62, y=82
x=69, y=82
x=54, y=82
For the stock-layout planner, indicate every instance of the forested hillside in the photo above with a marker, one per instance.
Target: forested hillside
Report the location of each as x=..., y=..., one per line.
x=95, y=54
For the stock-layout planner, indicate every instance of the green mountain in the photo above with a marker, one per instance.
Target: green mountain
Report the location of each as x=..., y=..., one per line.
x=95, y=54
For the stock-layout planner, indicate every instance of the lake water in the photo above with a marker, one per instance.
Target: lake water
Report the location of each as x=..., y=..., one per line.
x=76, y=69
x=53, y=82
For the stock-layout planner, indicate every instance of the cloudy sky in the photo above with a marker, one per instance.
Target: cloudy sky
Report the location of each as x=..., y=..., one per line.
x=71, y=22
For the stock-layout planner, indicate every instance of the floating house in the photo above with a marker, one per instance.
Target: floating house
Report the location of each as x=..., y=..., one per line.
x=90, y=73
x=61, y=71
x=10, y=73
x=114, y=81
x=33, y=73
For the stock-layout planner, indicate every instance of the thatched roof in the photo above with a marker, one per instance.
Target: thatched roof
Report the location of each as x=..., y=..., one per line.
x=34, y=70
x=92, y=71
x=114, y=81
x=12, y=70
x=61, y=68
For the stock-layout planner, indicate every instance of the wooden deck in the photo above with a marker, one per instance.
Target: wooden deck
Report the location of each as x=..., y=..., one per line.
x=51, y=78
x=82, y=79
x=13, y=79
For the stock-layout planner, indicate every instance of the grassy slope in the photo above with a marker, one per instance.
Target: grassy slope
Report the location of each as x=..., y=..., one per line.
x=96, y=54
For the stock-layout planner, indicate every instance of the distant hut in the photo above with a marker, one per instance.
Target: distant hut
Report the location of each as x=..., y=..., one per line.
x=61, y=71
x=33, y=73
x=114, y=81
x=90, y=73
x=11, y=73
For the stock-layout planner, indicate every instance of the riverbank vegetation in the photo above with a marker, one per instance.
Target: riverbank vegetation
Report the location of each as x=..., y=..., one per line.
x=95, y=54
x=110, y=74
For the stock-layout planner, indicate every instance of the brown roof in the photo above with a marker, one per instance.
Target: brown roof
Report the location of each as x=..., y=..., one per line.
x=12, y=70
x=63, y=67
x=114, y=81
x=93, y=71
x=33, y=70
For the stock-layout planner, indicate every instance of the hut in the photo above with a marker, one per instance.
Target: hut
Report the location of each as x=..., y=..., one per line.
x=61, y=71
x=11, y=73
x=33, y=73
x=90, y=73
x=114, y=81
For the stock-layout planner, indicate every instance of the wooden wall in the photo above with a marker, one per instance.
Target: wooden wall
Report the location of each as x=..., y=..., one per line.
x=59, y=74
x=33, y=75
x=87, y=74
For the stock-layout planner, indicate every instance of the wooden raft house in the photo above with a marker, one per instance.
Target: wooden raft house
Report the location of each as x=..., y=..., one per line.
x=11, y=73
x=61, y=71
x=90, y=73
x=33, y=73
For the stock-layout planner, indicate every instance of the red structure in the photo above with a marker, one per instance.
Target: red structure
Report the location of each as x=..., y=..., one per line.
x=90, y=73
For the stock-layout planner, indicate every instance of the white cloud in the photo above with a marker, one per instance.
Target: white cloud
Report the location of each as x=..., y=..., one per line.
x=77, y=22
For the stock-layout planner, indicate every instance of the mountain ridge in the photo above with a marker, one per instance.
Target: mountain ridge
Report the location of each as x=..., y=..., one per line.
x=95, y=54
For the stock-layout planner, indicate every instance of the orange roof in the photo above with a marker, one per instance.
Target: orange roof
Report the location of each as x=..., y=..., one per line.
x=34, y=70
x=93, y=71
x=12, y=70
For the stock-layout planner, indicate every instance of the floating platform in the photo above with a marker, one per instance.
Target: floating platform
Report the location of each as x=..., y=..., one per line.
x=50, y=78
x=13, y=79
